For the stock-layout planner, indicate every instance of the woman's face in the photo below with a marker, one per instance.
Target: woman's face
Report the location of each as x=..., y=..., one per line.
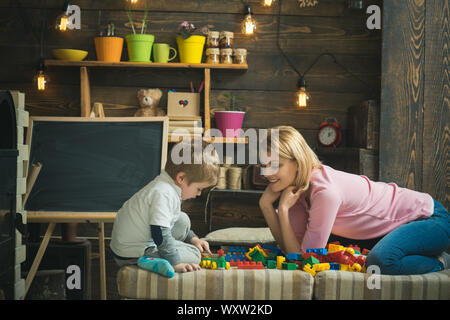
x=281, y=173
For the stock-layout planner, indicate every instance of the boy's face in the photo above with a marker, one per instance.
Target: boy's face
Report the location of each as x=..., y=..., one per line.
x=190, y=191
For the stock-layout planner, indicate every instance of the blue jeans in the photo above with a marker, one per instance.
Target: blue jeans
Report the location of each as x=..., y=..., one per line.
x=413, y=248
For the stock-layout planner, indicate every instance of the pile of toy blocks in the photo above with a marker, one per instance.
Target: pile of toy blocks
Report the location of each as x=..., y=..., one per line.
x=332, y=257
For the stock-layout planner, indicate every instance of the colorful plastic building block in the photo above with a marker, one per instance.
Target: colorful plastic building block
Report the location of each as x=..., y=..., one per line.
x=280, y=260
x=289, y=266
x=311, y=261
x=271, y=264
x=334, y=247
x=344, y=267
x=157, y=265
x=308, y=269
x=294, y=256
x=250, y=265
x=320, y=251
x=356, y=267
x=321, y=267
x=365, y=252
x=334, y=266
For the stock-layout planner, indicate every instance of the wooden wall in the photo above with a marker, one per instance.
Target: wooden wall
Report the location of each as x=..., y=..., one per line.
x=415, y=112
x=268, y=87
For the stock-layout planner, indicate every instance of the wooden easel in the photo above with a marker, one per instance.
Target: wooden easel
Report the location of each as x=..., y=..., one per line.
x=66, y=217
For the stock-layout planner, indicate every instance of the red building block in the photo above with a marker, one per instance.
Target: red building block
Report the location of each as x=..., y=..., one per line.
x=250, y=265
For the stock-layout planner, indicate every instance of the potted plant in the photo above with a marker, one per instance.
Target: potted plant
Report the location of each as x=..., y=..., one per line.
x=108, y=46
x=230, y=121
x=191, y=41
x=139, y=44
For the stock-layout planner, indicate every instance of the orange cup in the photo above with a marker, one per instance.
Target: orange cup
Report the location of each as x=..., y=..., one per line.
x=108, y=49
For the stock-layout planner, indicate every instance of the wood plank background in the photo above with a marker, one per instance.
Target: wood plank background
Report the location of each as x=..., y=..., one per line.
x=415, y=104
x=267, y=88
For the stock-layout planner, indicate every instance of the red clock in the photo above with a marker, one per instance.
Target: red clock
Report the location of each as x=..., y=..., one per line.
x=330, y=133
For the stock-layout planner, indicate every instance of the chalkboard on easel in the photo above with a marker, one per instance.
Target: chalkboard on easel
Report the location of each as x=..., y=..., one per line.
x=93, y=165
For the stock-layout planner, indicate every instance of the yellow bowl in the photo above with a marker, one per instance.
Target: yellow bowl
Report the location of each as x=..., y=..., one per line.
x=69, y=54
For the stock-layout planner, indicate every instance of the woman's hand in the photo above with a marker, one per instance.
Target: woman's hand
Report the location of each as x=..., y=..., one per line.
x=201, y=245
x=288, y=198
x=268, y=197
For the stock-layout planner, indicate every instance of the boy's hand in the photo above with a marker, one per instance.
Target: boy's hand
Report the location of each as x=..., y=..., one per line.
x=186, y=267
x=201, y=245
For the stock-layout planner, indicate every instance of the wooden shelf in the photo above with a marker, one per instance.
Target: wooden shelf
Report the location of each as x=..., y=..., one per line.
x=85, y=91
x=121, y=64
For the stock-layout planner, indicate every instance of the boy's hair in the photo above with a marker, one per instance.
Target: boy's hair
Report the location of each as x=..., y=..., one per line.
x=292, y=146
x=201, y=164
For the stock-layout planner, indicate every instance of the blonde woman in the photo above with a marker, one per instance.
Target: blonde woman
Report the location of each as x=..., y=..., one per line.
x=315, y=200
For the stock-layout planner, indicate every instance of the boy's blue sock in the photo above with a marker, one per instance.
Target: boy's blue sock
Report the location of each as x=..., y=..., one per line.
x=157, y=265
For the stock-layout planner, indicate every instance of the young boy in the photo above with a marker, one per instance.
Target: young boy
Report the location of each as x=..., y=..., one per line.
x=151, y=222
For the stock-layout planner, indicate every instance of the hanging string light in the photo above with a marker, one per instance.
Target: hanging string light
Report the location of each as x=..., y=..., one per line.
x=267, y=3
x=63, y=18
x=248, y=25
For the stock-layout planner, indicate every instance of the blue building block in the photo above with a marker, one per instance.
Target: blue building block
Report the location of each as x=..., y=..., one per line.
x=275, y=249
x=294, y=256
x=321, y=251
x=334, y=266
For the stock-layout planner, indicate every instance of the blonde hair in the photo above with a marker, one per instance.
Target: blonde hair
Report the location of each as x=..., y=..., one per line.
x=202, y=164
x=292, y=146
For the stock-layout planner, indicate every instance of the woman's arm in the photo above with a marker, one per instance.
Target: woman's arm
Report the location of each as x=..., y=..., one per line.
x=266, y=205
x=290, y=241
x=272, y=221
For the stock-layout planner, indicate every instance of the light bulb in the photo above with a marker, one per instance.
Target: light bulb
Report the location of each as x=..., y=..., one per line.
x=248, y=25
x=41, y=80
x=302, y=95
x=62, y=22
x=267, y=3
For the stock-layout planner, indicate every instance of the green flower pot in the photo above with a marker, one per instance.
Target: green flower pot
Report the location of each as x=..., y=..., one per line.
x=139, y=47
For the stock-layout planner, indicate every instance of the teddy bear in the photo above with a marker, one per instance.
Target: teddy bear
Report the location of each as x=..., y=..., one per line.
x=148, y=102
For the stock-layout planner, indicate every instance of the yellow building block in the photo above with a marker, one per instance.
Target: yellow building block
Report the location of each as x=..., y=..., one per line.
x=335, y=247
x=280, y=260
x=344, y=267
x=351, y=250
x=356, y=267
x=308, y=269
x=321, y=267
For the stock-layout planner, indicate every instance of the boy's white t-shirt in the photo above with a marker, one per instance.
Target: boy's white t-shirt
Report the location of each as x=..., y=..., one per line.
x=158, y=203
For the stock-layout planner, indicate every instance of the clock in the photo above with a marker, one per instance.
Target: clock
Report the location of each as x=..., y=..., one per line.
x=330, y=133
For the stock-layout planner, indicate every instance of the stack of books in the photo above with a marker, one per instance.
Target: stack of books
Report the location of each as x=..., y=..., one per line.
x=178, y=128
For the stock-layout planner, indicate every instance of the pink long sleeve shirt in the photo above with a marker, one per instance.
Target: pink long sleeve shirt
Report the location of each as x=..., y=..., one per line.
x=354, y=207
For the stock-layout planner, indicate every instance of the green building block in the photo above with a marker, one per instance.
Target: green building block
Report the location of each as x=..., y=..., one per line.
x=311, y=260
x=271, y=264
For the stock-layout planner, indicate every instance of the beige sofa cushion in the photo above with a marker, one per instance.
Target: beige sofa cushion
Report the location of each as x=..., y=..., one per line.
x=206, y=284
x=343, y=285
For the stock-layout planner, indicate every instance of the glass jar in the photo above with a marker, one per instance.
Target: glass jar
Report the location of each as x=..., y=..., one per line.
x=213, y=55
x=226, y=39
x=240, y=56
x=226, y=56
x=213, y=39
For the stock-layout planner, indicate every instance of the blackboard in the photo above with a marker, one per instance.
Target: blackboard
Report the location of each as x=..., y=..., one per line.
x=93, y=164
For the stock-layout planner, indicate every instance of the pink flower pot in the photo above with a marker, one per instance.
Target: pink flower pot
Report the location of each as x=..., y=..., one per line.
x=229, y=122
